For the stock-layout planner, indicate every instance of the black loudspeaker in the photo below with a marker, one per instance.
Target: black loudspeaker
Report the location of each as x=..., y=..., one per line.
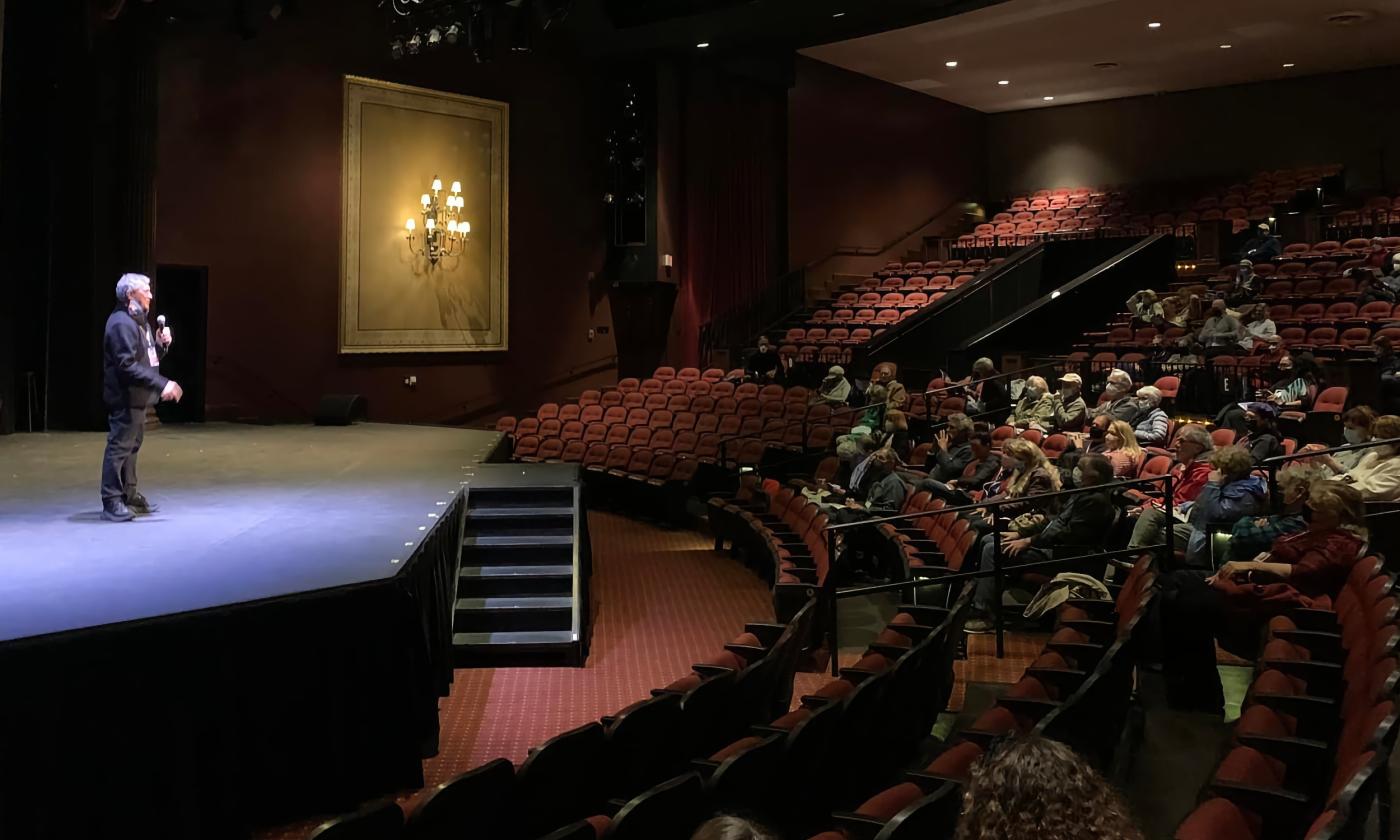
x=339, y=409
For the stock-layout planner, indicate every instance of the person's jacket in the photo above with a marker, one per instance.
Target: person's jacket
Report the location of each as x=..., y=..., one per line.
x=949, y=465
x=130, y=362
x=1070, y=416
x=1321, y=560
x=994, y=400
x=1187, y=482
x=1262, y=248
x=886, y=496
x=1376, y=476
x=1262, y=446
x=1224, y=505
x=977, y=473
x=1220, y=331
x=1034, y=411
x=1037, y=482
x=1083, y=520
x=1124, y=408
x=896, y=395
x=1151, y=429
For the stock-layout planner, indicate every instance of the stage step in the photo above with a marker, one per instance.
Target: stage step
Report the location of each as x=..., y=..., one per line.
x=519, y=576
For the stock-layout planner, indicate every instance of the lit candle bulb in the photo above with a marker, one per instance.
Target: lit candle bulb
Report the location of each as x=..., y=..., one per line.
x=425, y=200
x=465, y=227
x=452, y=225
x=432, y=223
x=437, y=185
x=456, y=187
x=411, y=225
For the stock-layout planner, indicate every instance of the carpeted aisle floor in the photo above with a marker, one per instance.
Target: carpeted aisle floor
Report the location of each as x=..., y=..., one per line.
x=663, y=600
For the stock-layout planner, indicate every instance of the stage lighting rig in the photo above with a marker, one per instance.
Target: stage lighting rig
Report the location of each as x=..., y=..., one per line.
x=419, y=25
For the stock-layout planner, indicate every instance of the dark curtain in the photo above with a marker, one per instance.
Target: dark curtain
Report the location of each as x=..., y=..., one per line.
x=733, y=156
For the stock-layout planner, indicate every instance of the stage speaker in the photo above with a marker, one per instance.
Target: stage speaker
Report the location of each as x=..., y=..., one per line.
x=339, y=409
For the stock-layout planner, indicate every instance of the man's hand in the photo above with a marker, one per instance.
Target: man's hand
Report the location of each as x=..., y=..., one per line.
x=942, y=440
x=165, y=337
x=172, y=391
x=1015, y=547
x=852, y=503
x=1009, y=536
x=1134, y=512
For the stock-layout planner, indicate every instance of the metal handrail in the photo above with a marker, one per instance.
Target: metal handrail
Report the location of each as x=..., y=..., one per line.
x=927, y=395
x=1273, y=465
x=829, y=592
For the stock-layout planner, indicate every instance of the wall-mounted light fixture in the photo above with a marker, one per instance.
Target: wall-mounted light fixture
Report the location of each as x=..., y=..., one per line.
x=444, y=232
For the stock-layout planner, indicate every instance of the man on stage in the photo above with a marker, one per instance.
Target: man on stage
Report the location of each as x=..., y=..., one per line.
x=131, y=382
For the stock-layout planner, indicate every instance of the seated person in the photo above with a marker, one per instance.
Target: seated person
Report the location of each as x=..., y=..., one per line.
x=1388, y=366
x=1151, y=427
x=1261, y=247
x=834, y=390
x=1145, y=307
x=894, y=434
x=1176, y=309
x=1221, y=332
x=1294, y=389
x=951, y=449
x=1036, y=408
x=763, y=363
x=1260, y=331
x=1252, y=535
x=1081, y=523
x=1118, y=402
x=1262, y=437
x=729, y=827
x=1369, y=289
x=1070, y=410
x=1232, y=607
x=1189, y=474
x=1121, y=448
x=885, y=490
x=1376, y=475
x=1231, y=493
x=1357, y=425
x=1378, y=257
x=1192, y=353
x=885, y=392
x=1243, y=286
x=987, y=399
x=982, y=466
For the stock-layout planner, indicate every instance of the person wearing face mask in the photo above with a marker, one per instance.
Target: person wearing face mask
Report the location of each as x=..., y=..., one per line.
x=835, y=389
x=1231, y=493
x=1356, y=428
x=1146, y=309
x=1293, y=390
x=1262, y=438
x=1079, y=526
x=1036, y=408
x=1117, y=400
x=1260, y=331
x=982, y=466
x=987, y=399
x=763, y=363
x=1232, y=605
x=1376, y=475
x=131, y=383
x=1221, y=331
x=1390, y=277
x=1151, y=427
x=1070, y=408
x=1252, y=535
x=1243, y=286
x=1189, y=475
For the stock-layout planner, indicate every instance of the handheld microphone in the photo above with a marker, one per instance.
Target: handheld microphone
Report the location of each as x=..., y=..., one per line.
x=160, y=321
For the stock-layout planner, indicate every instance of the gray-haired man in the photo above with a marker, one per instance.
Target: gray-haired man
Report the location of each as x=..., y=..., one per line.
x=131, y=382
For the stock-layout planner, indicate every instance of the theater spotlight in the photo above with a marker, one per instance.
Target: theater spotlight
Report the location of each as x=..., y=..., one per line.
x=453, y=32
x=524, y=22
x=434, y=38
x=415, y=44
x=396, y=48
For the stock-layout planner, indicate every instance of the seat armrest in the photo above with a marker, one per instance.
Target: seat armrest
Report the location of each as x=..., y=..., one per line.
x=711, y=670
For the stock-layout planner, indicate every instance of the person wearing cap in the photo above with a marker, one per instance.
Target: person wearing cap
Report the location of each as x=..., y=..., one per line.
x=1263, y=246
x=835, y=389
x=1220, y=332
x=1071, y=411
x=1243, y=287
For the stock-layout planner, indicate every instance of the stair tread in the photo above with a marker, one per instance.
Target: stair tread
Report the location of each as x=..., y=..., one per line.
x=519, y=512
x=514, y=637
x=517, y=540
x=516, y=602
x=516, y=571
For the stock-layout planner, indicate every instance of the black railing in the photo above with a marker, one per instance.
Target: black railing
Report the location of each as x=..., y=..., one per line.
x=1203, y=387
x=1275, y=464
x=738, y=327
x=830, y=594
x=936, y=394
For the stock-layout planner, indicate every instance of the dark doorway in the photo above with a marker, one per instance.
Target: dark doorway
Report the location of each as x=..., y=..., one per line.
x=182, y=296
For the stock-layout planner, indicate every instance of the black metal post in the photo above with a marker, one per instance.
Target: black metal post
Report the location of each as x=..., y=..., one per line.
x=997, y=581
x=828, y=591
x=1170, y=537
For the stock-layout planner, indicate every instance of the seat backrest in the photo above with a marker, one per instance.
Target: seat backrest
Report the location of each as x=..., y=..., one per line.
x=559, y=782
x=1332, y=399
x=380, y=820
x=471, y=799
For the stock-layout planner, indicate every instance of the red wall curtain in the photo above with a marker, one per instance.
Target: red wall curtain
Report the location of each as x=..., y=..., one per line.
x=733, y=138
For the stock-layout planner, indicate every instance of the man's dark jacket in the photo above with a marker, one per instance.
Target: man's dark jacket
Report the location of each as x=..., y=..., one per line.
x=129, y=380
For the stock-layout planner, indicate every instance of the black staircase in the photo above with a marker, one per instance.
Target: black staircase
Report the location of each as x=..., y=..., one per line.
x=522, y=594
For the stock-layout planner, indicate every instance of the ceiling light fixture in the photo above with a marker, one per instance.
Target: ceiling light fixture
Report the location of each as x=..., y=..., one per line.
x=1225, y=46
x=1004, y=82
x=1154, y=25
x=950, y=64
x=702, y=45
x=1290, y=64
x=1048, y=98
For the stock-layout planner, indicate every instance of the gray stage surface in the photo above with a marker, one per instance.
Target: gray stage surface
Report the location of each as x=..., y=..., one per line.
x=247, y=513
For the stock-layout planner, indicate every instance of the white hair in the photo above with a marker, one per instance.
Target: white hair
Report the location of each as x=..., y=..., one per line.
x=1150, y=393
x=1120, y=375
x=1037, y=382
x=130, y=283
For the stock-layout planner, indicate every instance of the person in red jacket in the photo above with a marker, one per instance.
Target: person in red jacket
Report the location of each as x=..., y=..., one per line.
x=1232, y=604
x=1189, y=475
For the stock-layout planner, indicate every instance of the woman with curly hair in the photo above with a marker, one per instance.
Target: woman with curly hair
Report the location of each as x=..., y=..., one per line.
x=726, y=827
x=1032, y=788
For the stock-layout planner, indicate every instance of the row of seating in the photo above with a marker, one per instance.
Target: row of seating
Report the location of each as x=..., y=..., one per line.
x=1318, y=723
x=929, y=267
x=604, y=772
x=902, y=281
x=1325, y=340
x=1078, y=690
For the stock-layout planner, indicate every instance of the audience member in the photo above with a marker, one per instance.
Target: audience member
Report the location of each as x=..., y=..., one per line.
x=1220, y=332
x=1369, y=289
x=1145, y=307
x=884, y=494
x=1231, y=605
x=951, y=448
x=1025, y=473
x=1378, y=256
x=1252, y=535
x=1243, y=286
x=1262, y=438
x=1388, y=368
x=988, y=399
x=1121, y=448
x=732, y=828
x=1189, y=474
x=1376, y=475
x=982, y=468
x=1036, y=408
x=1080, y=525
x=1232, y=492
x=1357, y=426
x=1263, y=246
x=1117, y=401
x=1294, y=390
x=1259, y=330
x=885, y=393
x=1033, y=788
x=1070, y=409
x=1195, y=355
x=834, y=390
x=1176, y=309
x=1390, y=277
x=763, y=363
x=1151, y=427
x=894, y=435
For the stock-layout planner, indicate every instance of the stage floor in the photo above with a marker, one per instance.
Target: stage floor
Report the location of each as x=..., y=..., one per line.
x=247, y=513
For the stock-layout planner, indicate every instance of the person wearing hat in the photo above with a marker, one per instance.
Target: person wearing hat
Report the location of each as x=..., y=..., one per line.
x=835, y=389
x=1242, y=287
x=1262, y=247
x=1071, y=411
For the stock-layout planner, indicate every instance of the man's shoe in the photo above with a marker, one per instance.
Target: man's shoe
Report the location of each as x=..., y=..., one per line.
x=117, y=511
x=138, y=504
x=978, y=626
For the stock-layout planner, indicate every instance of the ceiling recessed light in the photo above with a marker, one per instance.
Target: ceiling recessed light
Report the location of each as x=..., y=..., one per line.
x=839, y=14
x=1004, y=82
x=1225, y=46
x=1290, y=64
x=950, y=64
x=1154, y=25
x=702, y=45
x=1048, y=98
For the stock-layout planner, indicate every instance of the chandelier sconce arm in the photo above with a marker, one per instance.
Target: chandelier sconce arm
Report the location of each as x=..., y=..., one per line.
x=443, y=233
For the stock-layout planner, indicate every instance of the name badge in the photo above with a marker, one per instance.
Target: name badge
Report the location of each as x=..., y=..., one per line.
x=151, y=353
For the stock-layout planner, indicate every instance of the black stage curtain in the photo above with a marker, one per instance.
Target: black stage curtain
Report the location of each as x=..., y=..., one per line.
x=209, y=724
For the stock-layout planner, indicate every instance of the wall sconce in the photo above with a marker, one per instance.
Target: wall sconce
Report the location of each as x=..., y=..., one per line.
x=444, y=233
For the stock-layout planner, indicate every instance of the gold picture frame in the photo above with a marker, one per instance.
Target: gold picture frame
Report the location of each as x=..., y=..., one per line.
x=396, y=139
